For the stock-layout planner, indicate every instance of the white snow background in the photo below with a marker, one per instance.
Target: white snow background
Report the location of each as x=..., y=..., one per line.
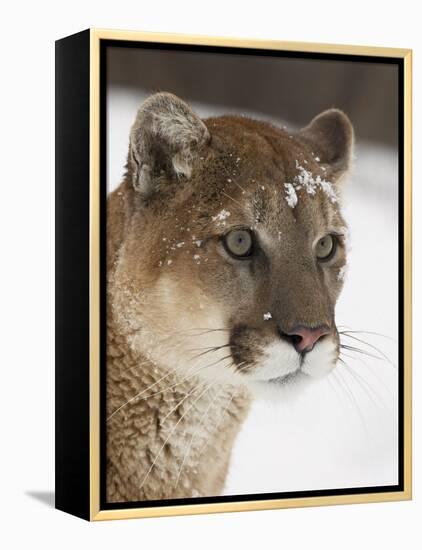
x=341, y=432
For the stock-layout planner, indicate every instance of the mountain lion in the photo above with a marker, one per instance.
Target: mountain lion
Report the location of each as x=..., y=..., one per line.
x=226, y=250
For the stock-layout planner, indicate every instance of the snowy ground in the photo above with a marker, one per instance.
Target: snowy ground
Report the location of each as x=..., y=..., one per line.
x=343, y=431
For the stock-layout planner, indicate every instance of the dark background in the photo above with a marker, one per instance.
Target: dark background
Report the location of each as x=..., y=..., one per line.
x=281, y=89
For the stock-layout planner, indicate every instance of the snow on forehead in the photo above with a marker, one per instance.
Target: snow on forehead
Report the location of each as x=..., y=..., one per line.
x=221, y=217
x=304, y=179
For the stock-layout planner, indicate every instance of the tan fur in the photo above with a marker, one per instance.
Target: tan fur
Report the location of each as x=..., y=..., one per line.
x=138, y=433
x=188, y=341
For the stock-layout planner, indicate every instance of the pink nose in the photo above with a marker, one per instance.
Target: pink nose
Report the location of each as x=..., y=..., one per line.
x=304, y=338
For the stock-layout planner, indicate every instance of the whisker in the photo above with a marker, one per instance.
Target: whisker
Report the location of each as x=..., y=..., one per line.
x=233, y=179
x=229, y=197
x=332, y=382
x=373, y=347
x=239, y=186
x=363, y=352
x=137, y=366
x=190, y=392
x=367, y=332
x=167, y=439
x=366, y=388
x=371, y=370
x=208, y=329
x=139, y=395
x=202, y=421
x=174, y=429
x=195, y=433
x=369, y=388
x=209, y=350
x=219, y=360
x=352, y=399
x=219, y=421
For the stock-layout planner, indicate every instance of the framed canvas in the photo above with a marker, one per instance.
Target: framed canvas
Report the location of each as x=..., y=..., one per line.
x=233, y=244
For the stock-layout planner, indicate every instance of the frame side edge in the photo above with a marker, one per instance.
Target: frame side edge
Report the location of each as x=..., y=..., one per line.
x=94, y=274
x=72, y=305
x=408, y=273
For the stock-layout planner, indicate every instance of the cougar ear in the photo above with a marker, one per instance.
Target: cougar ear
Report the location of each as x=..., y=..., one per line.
x=331, y=137
x=164, y=138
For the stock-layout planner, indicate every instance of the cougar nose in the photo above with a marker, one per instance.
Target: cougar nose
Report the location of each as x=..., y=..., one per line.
x=304, y=338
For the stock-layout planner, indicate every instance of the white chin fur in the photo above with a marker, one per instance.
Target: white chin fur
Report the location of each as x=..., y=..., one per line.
x=321, y=360
x=285, y=390
x=281, y=360
x=278, y=359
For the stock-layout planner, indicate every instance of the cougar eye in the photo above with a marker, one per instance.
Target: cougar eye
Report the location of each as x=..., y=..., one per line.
x=238, y=243
x=326, y=247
